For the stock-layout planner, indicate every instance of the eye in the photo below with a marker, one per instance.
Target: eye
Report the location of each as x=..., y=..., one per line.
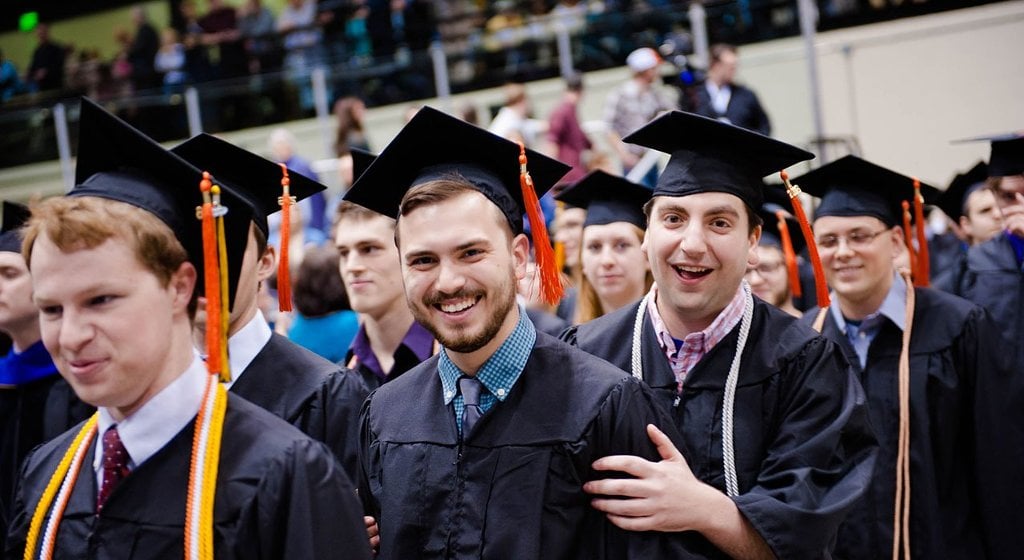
x=622, y=246
x=422, y=262
x=593, y=247
x=672, y=219
x=51, y=310
x=101, y=300
x=369, y=249
x=343, y=253
x=828, y=242
x=720, y=223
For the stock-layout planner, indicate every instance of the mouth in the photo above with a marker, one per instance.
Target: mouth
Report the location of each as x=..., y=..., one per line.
x=691, y=273
x=457, y=306
x=82, y=368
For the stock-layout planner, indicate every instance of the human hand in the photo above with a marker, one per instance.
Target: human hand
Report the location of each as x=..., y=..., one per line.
x=373, y=532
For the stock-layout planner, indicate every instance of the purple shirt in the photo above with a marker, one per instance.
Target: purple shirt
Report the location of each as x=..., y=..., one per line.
x=564, y=131
x=417, y=340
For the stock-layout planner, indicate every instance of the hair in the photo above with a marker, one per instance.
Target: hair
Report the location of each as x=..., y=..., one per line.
x=719, y=49
x=514, y=93
x=348, y=123
x=261, y=240
x=754, y=219
x=351, y=211
x=442, y=190
x=85, y=222
x=318, y=286
x=574, y=82
x=588, y=304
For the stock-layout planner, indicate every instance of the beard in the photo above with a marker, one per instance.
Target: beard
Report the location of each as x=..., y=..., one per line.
x=462, y=339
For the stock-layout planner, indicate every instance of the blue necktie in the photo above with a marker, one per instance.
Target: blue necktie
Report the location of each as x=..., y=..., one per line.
x=470, y=387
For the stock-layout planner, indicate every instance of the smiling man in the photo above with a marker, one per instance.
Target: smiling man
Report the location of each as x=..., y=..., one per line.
x=114, y=268
x=481, y=451
x=775, y=448
x=963, y=501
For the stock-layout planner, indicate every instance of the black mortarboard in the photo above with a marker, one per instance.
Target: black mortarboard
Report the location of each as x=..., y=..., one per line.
x=770, y=235
x=1007, y=157
x=117, y=162
x=433, y=145
x=255, y=179
x=712, y=156
x=607, y=199
x=361, y=159
x=851, y=186
x=15, y=215
x=954, y=198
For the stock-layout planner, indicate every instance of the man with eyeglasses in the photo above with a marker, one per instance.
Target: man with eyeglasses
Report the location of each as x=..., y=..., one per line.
x=959, y=487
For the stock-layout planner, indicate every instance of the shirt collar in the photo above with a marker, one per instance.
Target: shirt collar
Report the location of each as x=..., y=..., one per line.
x=501, y=371
x=156, y=422
x=893, y=307
x=417, y=339
x=723, y=324
x=245, y=344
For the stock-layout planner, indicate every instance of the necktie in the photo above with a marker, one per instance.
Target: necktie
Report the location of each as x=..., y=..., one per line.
x=115, y=465
x=470, y=387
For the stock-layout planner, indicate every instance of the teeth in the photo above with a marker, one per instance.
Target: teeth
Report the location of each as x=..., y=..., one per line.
x=458, y=306
x=695, y=269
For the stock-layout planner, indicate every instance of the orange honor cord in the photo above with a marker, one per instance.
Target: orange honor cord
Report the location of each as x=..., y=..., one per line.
x=211, y=277
x=789, y=254
x=284, y=281
x=923, y=266
x=821, y=288
x=551, y=285
x=909, y=238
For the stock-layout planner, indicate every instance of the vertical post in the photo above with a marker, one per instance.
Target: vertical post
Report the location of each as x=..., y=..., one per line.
x=564, y=50
x=323, y=113
x=441, y=83
x=699, y=28
x=808, y=24
x=60, y=122
x=195, y=118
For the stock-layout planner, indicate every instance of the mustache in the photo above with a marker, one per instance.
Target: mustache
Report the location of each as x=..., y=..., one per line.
x=438, y=297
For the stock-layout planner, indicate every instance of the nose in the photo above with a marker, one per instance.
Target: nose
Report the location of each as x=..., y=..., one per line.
x=351, y=263
x=607, y=256
x=449, y=278
x=692, y=241
x=75, y=331
x=843, y=249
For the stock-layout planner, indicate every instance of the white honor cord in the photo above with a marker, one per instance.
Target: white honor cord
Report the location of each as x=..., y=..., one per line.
x=728, y=454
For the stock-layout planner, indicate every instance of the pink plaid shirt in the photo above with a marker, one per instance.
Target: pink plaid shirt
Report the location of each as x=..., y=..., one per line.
x=695, y=345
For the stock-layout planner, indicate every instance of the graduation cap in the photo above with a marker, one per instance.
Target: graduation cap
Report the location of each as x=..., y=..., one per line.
x=954, y=199
x=257, y=183
x=711, y=156
x=607, y=199
x=433, y=145
x=117, y=162
x=14, y=215
x=781, y=230
x=1007, y=157
x=361, y=159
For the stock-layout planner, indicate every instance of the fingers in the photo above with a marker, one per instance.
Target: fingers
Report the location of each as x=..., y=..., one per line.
x=628, y=488
x=638, y=507
x=629, y=464
x=666, y=448
x=632, y=523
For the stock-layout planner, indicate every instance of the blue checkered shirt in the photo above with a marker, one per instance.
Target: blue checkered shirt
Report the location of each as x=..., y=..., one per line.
x=498, y=374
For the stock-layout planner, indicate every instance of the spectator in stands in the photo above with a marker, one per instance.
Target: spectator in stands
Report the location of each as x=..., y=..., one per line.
x=169, y=61
x=634, y=104
x=220, y=28
x=297, y=22
x=142, y=51
x=197, y=61
x=10, y=84
x=256, y=25
x=121, y=66
x=324, y=322
x=283, y=150
x=46, y=71
x=358, y=35
x=729, y=102
x=566, y=139
x=350, y=112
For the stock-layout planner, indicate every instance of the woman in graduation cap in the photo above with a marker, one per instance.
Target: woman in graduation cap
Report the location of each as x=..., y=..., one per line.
x=614, y=269
x=939, y=395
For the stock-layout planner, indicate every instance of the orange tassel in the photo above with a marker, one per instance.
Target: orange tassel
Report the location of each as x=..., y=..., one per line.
x=789, y=254
x=211, y=278
x=551, y=286
x=284, y=280
x=923, y=266
x=909, y=238
x=821, y=289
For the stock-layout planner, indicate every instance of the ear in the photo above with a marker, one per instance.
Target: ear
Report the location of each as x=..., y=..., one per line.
x=898, y=241
x=520, y=254
x=182, y=284
x=266, y=266
x=753, y=239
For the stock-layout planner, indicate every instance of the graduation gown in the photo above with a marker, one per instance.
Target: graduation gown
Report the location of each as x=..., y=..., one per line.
x=318, y=397
x=31, y=414
x=804, y=449
x=279, y=495
x=965, y=439
x=513, y=488
x=995, y=281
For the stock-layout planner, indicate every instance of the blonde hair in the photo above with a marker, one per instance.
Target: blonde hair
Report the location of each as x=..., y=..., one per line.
x=588, y=304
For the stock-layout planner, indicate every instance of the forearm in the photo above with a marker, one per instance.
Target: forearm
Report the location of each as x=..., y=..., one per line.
x=730, y=531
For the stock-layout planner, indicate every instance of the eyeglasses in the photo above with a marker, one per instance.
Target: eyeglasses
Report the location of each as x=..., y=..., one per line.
x=856, y=239
x=764, y=268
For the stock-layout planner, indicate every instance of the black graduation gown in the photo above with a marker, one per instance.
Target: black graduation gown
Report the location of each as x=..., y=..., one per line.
x=279, y=495
x=547, y=322
x=965, y=441
x=31, y=414
x=995, y=281
x=803, y=445
x=513, y=488
x=950, y=278
x=315, y=395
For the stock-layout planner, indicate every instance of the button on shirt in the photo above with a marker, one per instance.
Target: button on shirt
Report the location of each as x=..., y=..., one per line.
x=498, y=374
x=684, y=354
x=862, y=333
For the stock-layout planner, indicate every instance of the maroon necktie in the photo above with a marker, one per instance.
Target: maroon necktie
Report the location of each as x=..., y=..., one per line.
x=115, y=465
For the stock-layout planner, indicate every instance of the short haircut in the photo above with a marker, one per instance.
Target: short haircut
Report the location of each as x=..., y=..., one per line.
x=85, y=222
x=318, y=286
x=574, y=82
x=442, y=190
x=354, y=212
x=719, y=49
x=754, y=219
